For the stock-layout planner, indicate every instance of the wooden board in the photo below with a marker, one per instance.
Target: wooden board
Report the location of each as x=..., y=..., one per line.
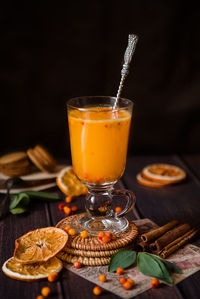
x=178, y=201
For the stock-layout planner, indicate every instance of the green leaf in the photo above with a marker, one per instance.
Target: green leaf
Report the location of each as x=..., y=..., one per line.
x=170, y=266
x=19, y=210
x=147, y=265
x=21, y=199
x=164, y=272
x=43, y=195
x=122, y=258
x=152, y=267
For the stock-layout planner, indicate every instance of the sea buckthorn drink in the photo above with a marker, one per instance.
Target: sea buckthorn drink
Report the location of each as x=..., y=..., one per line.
x=99, y=139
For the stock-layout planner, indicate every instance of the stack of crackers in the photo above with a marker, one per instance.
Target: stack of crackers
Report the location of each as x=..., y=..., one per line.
x=91, y=251
x=160, y=175
x=15, y=164
x=19, y=163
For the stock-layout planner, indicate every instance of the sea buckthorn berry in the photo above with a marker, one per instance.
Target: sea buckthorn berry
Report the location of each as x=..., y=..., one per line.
x=100, y=235
x=67, y=210
x=72, y=232
x=127, y=285
x=77, y=265
x=97, y=290
x=61, y=206
x=53, y=277
x=118, y=209
x=109, y=234
x=114, y=237
x=105, y=239
x=40, y=297
x=68, y=199
x=67, y=227
x=46, y=291
x=74, y=208
x=131, y=281
x=102, y=277
x=154, y=283
x=122, y=280
x=84, y=234
x=120, y=271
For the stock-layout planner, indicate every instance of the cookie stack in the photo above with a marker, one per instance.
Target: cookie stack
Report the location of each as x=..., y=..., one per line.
x=19, y=163
x=91, y=251
x=15, y=164
x=160, y=175
x=41, y=158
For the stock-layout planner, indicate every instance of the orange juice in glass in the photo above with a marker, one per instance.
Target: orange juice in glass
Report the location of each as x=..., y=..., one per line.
x=99, y=139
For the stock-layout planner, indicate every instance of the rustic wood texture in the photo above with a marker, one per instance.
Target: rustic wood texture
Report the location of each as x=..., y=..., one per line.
x=180, y=201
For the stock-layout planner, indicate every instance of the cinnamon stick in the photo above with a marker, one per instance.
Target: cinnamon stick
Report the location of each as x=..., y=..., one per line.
x=173, y=246
x=158, y=231
x=169, y=237
x=142, y=246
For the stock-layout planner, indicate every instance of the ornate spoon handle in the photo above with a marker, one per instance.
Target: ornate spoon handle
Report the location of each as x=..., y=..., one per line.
x=132, y=41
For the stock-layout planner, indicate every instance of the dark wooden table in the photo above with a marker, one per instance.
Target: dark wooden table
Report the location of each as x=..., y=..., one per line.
x=181, y=201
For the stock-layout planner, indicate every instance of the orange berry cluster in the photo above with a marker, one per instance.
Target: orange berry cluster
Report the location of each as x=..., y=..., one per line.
x=46, y=291
x=67, y=209
x=126, y=282
x=70, y=231
x=98, y=290
x=106, y=237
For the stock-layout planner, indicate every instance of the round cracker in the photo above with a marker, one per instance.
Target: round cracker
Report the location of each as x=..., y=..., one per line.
x=88, y=253
x=149, y=183
x=92, y=243
x=46, y=156
x=164, y=173
x=16, y=171
x=16, y=165
x=87, y=261
x=9, y=159
x=37, y=161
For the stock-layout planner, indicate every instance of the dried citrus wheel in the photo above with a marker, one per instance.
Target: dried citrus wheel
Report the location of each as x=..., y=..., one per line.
x=29, y=272
x=150, y=183
x=40, y=245
x=164, y=173
x=69, y=183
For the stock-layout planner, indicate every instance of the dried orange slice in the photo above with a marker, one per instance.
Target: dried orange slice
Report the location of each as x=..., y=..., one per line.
x=149, y=183
x=164, y=173
x=69, y=183
x=40, y=245
x=30, y=272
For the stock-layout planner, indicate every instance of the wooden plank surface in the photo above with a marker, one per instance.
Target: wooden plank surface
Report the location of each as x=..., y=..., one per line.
x=12, y=227
x=180, y=201
x=161, y=205
x=193, y=162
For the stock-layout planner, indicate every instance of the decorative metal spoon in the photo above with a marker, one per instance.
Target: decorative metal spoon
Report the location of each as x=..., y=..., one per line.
x=132, y=41
x=8, y=184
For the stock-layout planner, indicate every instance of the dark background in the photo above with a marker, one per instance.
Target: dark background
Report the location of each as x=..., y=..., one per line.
x=52, y=51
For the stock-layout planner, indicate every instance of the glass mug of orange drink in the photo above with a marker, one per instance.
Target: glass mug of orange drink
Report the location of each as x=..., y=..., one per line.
x=99, y=137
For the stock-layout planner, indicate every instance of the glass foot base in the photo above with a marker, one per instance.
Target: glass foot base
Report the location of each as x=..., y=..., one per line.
x=97, y=224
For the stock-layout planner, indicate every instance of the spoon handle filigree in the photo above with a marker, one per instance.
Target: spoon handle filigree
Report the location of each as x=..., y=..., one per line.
x=132, y=41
